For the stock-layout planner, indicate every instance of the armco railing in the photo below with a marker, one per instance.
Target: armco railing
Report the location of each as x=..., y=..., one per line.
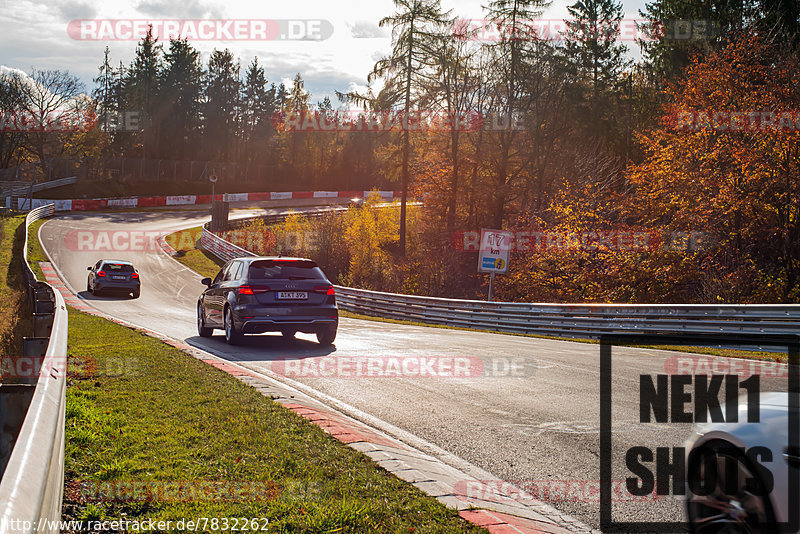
x=222, y=249
x=32, y=485
x=584, y=321
x=19, y=191
x=577, y=320
x=226, y=250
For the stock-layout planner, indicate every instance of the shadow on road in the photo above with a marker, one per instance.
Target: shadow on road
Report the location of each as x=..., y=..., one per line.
x=262, y=347
x=85, y=295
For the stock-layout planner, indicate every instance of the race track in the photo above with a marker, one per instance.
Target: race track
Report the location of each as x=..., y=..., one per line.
x=537, y=421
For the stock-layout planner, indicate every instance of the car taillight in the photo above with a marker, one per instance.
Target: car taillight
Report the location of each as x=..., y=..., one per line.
x=101, y=273
x=328, y=290
x=253, y=290
x=135, y=276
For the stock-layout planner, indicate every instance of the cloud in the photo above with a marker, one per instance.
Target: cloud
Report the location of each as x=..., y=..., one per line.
x=77, y=10
x=11, y=71
x=368, y=30
x=187, y=9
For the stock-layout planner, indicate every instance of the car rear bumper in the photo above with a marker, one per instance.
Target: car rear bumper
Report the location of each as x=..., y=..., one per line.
x=116, y=286
x=257, y=318
x=308, y=325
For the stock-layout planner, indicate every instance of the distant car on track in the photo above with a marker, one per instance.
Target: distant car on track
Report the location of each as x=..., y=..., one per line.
x=743, y=470
x=113, y=276
x=268, y=294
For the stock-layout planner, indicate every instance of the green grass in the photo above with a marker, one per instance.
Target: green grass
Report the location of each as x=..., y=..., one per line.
x=207, y=264
x=15, y=319
x=200, y=261
x=140, y=410
x=35, y=252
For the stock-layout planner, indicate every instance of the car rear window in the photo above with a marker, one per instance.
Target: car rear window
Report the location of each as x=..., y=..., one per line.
x=118, y=267
x=285, y=270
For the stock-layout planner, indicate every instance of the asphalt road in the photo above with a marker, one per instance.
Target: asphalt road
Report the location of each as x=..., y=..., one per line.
x=532, y=415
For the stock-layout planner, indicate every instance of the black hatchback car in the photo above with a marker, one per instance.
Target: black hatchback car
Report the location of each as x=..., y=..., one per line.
x=268, y=294
x=113, y=276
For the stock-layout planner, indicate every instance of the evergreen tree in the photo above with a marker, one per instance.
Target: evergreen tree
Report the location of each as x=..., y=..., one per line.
x=181, y=90
x=678, y=29
x=10, y=100
x=591, y=43
x=258, y=106
x=103, y=93
x=141, y=90
x=222, y=105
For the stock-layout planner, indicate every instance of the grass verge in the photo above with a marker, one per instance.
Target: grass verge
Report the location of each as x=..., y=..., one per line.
x=35, y=252
x=15, y=321
x=185, y=244
x=206, y=264
x=142, y=412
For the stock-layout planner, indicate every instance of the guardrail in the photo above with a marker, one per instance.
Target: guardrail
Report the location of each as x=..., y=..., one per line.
x=226, y=250
x=31, y=283
x=31, y=488
x=21, y=189
x=578, y=321
x=222, y=249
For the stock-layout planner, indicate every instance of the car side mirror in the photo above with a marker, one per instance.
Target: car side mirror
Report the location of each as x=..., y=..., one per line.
x=206, y=282
x=88, y=268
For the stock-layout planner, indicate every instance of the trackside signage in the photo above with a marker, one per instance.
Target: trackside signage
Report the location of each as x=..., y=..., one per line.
x=493, y=254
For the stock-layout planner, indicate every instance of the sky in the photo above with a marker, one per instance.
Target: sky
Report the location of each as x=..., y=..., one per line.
x=36, y=34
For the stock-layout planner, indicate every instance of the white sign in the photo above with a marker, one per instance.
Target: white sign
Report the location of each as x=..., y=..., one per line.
x=493, y=255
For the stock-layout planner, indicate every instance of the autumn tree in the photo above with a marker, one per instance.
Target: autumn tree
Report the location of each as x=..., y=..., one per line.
x=725, y=161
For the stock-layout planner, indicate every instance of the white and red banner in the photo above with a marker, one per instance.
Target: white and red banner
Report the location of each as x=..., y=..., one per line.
x=92, y=204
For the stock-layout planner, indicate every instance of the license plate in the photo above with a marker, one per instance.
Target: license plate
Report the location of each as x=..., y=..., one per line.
x=119, y=277
x=292, y=295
